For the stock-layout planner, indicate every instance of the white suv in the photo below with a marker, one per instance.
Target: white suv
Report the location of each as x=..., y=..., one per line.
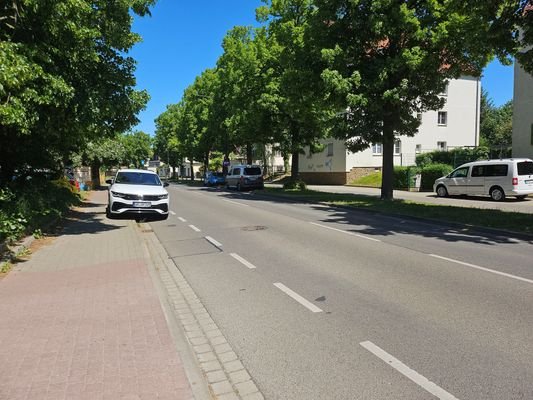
x=138, y=192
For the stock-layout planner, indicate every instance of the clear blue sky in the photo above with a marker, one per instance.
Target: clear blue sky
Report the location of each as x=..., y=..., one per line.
x=183, y=38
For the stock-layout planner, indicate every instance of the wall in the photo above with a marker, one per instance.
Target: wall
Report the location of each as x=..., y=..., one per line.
x=522, y=113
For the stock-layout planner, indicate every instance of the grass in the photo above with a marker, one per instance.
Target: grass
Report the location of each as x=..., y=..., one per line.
x=488, y=218
x=371, y=180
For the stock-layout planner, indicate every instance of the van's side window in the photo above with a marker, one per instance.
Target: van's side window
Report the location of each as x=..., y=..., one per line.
x=460, y=173
x=478, y=170
x=496, y=170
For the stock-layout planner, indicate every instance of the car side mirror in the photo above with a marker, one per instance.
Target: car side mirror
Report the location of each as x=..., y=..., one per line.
x=109, y=181
x=165, y=184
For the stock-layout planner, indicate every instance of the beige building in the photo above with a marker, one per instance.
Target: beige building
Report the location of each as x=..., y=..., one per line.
x=522, y=113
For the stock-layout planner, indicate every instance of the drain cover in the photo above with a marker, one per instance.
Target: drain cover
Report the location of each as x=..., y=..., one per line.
x=253, y=228
x=147, y=230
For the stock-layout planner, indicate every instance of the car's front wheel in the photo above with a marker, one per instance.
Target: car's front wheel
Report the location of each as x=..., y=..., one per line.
x=442, y=191
x=108, y=213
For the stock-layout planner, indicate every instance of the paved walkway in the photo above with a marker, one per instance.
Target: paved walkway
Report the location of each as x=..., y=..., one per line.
x=81, y=319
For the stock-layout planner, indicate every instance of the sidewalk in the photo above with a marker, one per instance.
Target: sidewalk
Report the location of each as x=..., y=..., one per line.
x=81, y=319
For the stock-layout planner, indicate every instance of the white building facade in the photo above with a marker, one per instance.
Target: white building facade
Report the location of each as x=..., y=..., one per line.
x=522, y=113
x=455, y=125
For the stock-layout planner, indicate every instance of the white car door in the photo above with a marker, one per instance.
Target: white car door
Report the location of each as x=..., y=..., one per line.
x=458, y=181
x=476, y=180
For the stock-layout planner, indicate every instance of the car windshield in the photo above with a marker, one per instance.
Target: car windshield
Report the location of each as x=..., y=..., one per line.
x=137, y=178
x=218, y=174
x=252, y=171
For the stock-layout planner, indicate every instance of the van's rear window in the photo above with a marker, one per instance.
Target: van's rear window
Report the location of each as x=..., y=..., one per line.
x=252, y=171
x=525, y=168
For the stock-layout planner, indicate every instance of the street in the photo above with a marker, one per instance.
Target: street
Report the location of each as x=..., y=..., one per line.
x=326, y=303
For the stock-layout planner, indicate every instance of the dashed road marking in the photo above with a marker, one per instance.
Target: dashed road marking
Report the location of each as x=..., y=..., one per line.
x=213, y=241
x=345, y=232
x=420, y=380
x=243, y=261
x=194, y=228
x=295, y=296
x=235, y=202
x=182, y=219
x=172, y=212
x=492, y=271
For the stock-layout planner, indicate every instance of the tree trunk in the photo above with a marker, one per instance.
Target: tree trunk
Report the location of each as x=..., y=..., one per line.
x=249, y=159
x=191, y=163
x=295, y=170
x=388, y=160
x=173, y=172
x=95, y=174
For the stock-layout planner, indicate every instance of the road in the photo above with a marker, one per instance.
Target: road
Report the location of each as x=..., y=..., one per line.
x=510, y=203
x=327, y=303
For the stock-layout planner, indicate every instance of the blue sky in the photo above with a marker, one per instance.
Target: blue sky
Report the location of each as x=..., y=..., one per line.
x=183, y=38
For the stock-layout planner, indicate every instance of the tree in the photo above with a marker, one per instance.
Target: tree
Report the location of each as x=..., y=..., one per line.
x=389, y=60
x=296, y=100
x=496, y=123
x=166, y=144
x=137, y=148
x=65, y=77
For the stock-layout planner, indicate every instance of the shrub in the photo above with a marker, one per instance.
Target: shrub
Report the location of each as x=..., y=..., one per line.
x=296, y=184
x=404, y=177
x=454, y=157
x=432, y=172
x=31, y=204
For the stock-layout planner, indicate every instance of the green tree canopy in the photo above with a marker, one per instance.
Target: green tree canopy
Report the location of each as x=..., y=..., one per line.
x=65, y=77
x=137, y=148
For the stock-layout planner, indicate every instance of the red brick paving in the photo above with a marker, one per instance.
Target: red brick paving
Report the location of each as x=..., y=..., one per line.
x=83, y=330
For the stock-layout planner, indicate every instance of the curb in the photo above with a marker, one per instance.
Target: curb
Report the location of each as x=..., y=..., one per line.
x=224, y=374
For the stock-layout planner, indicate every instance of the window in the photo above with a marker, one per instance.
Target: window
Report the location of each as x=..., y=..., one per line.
x=525, y=168
x=419, y=116
x=442, y=146
x=418, y=148
x=496, y=170
x=309, y=154
x=330, y=150
x=460, y=173
x=397, y=147
x=442, y=118
x=376, y=148
x=478, y=171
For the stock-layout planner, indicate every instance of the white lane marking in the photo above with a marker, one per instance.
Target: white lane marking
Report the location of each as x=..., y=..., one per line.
x=519, y=278
x=213, y=241
x=346, y=232
x=408, y=372
x=182, y=219
x=235, y=202
x=172, y=212
x=243, y=261
x=194, y=228
x=307, y=304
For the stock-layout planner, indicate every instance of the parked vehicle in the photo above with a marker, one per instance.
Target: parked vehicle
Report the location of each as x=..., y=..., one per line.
x=138, y=192
x=214, y=179
x=494, y=178
x=243, y=177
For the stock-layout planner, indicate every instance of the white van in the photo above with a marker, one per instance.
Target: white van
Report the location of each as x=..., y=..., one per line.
x=494, y=178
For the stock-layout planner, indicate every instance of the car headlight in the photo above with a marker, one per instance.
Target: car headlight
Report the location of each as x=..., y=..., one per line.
x=117, y=194
x=162, y=196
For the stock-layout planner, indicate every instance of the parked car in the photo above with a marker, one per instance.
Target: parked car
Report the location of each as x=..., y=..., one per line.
x=214, y=179
x=243, y=177
x=138, y=192
x=494, y=178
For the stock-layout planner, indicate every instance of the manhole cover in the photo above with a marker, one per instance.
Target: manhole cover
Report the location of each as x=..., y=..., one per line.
x=254, y=228
x=171, y=225
x=146, y=230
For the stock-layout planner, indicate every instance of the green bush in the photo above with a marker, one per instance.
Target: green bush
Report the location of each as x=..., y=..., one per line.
x=432, y=172
x=454, y=157
x=404, y=177
x=31, y=204
x=296, y=184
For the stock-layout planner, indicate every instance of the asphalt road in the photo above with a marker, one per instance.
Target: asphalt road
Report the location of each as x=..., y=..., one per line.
x=327, y=303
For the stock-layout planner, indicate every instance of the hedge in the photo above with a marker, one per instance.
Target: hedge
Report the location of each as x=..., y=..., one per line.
x=454, y=157
x=404, y=177
x=432, y=172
